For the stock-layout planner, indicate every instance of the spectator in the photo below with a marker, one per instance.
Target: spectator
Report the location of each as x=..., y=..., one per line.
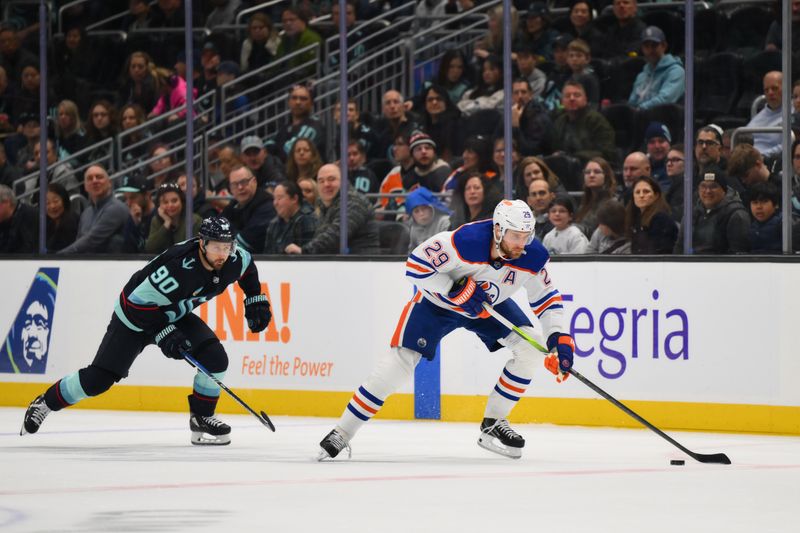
x=296, y=36
x=635, y=166
x=70, y=136
x=168, y=14
x=210, y=59
x=766, y=227
x=707, y=148
x=534, y=168
x=304, y=160
x=295, y=221
x=441, y=120
x=454, y=74
x=578, y=57
x=599, y=186
x=251, y=210
x=394, y=122
x=27, y=96
x=769, y=144
x=21, y=144
x=74, y=64
x=8, y=172
x=8, y=96
x=261, y=44
x=267, y=168
x=477, y=157
x=429, y=170
x=356, y=35
x=429, y=216
x=393, y=182
x=581, y=24
x=362, y=229
x=474, y=199
x=223, y=14
x=565, y=237
x=56, y=172
x=747, y=165
x=62, y=222
x=102, y=222
x=720, y=223
x=540, y=196
x=492, y=42
x=19, y=224
x=579, y=130
x=526, y=62
x=221, y=160
x=357, y=129
x=13, y=57
x=139, y=85
x=160, y=166
x=142, y=209
x=558, y=75
x=488, y=94
x=172, y=96
x=499, y=157
x=657, y=139
x=301, y=124
x=623, y=36
x=361, y=177
x=309, y=189
x=647, y=222
x=661, y=81
x=138, y=17
x=536, y=33
x=774, y=40
x=133, y=143
x=674, y=195
x=227, y=72
x=168, y=227
x=530, y=121
x=609, y=237
x=102, y=122
x=200, y=206
x=727, y=136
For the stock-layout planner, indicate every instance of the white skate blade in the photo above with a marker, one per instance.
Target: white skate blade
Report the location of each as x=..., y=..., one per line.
x=487, y=442
x=325, y=456
x=204, y=439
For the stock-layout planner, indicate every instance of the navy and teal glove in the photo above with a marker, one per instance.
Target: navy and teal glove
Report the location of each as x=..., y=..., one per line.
x=257, y=312
x=173, y=342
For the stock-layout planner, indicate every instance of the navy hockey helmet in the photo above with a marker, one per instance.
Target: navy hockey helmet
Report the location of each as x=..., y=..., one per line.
x=217, y=229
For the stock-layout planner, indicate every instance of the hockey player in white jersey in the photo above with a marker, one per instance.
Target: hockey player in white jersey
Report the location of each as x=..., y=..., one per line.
x=455, y=272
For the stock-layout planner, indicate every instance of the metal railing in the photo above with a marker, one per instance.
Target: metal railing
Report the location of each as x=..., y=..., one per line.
x=72, y=167
x=260, y=7
x=177, y=154
x=113, y=18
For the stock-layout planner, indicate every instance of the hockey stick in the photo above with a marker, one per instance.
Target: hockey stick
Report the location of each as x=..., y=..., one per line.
x=263, y=418
x=719, y=458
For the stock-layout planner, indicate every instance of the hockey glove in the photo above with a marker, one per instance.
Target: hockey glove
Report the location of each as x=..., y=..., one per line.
x=560, y=362
x=257, y=312
x=173, y=342
x=469, y=296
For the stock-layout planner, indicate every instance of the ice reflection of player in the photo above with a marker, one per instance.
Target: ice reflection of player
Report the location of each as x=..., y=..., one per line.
x=35, y=334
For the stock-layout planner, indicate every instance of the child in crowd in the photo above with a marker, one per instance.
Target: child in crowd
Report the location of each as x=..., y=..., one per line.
x=565, y=237
x=429, y=216
x=765, y=229
x=578, y=57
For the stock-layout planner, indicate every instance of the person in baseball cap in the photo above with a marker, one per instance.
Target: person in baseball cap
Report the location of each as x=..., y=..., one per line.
x=661, y=80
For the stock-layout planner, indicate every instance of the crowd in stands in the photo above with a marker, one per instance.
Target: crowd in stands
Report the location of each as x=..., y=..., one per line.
x=597, y=183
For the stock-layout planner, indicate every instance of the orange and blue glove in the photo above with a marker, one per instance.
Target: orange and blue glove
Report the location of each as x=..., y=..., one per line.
x=559, y=362
x=469, y=296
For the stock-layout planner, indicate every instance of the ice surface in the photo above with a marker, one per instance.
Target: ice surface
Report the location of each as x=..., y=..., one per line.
x=93, y=471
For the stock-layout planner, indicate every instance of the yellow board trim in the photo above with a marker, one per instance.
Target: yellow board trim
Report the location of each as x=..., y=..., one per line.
x=782, y=420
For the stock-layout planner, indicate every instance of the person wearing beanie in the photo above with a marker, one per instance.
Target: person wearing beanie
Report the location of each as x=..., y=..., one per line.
x=428, y=216
x=720, y=222
x=428, y=171
x=661, y=80
x=658, y=141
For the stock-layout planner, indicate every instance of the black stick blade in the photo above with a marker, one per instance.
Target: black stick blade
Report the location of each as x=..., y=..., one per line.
x=716, y=458
x=267, y=422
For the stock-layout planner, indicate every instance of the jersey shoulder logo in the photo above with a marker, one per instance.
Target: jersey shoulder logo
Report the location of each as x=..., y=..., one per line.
x=27, y=344
x=188, y=262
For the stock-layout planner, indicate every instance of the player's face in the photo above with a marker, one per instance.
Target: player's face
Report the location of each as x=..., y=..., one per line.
x=35, y=332
x=217, y=253
x=513, y=243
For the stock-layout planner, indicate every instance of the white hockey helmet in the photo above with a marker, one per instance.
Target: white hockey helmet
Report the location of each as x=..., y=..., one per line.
x=513, y=215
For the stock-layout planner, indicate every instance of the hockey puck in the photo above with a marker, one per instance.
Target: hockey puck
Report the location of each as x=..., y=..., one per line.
x=677, y=462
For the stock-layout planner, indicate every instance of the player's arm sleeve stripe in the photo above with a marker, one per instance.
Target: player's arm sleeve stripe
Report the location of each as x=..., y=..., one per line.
x=416, y=267
x=540, y=301
x=420, y=261
x=419, y=276
x=549, y=304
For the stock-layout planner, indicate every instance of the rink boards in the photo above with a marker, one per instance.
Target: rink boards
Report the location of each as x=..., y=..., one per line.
x=707, y=346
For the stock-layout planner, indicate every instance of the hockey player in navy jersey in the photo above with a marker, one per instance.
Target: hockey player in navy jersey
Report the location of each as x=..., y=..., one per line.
x=455, y=272
x=155, y=306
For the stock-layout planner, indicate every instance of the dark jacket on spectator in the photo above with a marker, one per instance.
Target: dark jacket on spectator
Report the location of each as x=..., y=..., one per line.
x=722, y=230
x=101, y=227
x=658, y=238
x=161, y=238
x=250, y=221
x=589, y=135
x=362, y=229
x=61, y=235
x=765, y=237
x=19, y=234
x=311, y=129
x=534, y=125
x=620, y=41
x=298, y=230
x=9, y=173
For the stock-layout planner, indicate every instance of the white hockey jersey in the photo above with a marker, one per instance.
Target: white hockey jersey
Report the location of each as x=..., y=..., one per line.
x=438, y=262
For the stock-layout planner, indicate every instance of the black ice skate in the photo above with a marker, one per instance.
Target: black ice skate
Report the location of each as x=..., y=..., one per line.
x=333, y=443
x=34, y=416
x=498, y=437
x=209, y=430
